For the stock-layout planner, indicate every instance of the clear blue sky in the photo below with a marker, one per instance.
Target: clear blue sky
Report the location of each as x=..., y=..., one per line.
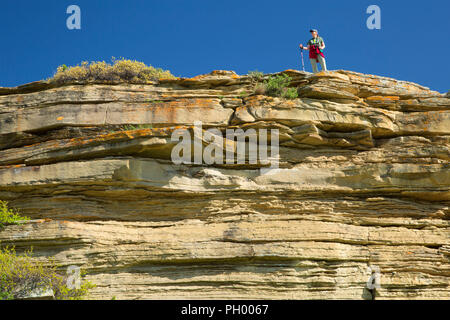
x=194, y=37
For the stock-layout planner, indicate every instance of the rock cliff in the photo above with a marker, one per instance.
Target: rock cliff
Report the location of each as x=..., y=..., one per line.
x=363, y=181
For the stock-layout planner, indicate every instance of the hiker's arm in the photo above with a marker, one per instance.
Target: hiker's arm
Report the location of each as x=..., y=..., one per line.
x=305, y=48
x=322, y=46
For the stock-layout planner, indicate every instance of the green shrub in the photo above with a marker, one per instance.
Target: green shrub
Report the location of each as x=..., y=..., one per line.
x=290, y=93
x=9, y=216
x=277, y=86
x=119, y=70
x=20, y=275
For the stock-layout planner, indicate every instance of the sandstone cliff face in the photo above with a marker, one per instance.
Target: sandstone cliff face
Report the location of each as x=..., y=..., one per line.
x=363, y=182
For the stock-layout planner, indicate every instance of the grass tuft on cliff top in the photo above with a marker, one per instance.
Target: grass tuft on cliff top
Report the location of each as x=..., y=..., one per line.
x=118, y=70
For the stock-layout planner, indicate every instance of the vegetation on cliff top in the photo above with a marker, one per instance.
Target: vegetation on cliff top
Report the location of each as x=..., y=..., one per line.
x=275, y=86
x=20, y=275
x=119, y=70
x=137, y=72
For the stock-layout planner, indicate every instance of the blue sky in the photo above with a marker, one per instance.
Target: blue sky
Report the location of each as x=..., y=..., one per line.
x=195, y=37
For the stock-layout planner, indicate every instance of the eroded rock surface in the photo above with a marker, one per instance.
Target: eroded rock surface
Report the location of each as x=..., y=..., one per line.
x=363, y=181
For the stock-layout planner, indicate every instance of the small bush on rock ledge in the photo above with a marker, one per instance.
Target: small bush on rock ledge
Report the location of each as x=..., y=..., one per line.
x=9, y=216
x=276, y=86
x=119, y=70
x=20, y=276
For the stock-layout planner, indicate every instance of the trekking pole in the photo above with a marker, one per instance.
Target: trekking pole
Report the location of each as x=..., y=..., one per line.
x=303, y=61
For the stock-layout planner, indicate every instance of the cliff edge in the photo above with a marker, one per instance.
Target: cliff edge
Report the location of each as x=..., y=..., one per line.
x=363, y=184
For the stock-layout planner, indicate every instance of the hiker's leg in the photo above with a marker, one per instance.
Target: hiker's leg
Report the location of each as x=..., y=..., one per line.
x=314, y=65
x=323, y=63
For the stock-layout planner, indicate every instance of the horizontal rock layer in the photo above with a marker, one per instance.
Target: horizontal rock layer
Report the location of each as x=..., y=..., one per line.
x=363, y=181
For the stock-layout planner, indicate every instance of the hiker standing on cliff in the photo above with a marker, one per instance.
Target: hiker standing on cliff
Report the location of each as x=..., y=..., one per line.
x=315, y=47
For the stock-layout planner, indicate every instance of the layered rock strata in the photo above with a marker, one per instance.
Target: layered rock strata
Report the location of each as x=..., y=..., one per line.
x=363, y=184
